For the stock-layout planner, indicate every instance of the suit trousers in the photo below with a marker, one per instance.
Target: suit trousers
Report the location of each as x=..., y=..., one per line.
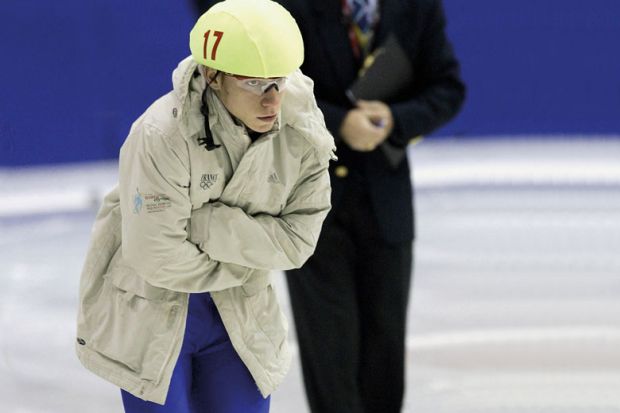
x=349, y=303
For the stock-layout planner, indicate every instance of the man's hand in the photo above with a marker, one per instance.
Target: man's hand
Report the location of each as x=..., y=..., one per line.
x=367, y=125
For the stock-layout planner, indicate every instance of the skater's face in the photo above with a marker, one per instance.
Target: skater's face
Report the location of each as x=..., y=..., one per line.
x=253, y=101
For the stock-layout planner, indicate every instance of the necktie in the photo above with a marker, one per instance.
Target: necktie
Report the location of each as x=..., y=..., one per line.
x=363, y=14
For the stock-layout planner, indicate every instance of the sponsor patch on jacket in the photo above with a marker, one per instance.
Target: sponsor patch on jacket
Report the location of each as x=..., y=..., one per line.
x=150, y=202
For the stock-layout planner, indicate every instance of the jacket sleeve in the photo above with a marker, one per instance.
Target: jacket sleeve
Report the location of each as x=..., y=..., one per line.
x=441, y=93
x=155, y=208
x=270, y=242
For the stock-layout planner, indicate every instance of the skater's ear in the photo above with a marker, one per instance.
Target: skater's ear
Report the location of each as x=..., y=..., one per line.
x=213, y=78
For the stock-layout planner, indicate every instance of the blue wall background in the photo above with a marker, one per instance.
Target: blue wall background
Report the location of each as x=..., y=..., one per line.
x=75, y=74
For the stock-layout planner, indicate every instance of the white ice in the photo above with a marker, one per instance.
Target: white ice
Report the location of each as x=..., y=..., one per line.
x=515, y=306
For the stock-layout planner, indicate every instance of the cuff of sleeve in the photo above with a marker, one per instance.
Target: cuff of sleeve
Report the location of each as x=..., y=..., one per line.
x=199, y=221
x=397, y=137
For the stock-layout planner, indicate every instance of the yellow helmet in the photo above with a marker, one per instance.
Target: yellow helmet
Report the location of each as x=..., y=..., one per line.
x=254, y=38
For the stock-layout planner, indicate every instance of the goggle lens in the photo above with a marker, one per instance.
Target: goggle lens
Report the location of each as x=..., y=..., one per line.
x=259, y=86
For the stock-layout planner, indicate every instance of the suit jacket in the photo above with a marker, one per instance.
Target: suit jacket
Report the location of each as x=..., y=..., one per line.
x=434, y=95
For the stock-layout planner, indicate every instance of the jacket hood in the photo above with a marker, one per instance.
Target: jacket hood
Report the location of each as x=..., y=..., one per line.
x=187, y=89
x=300, y=111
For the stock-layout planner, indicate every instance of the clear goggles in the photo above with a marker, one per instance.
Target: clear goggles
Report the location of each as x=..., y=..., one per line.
x=258, y=85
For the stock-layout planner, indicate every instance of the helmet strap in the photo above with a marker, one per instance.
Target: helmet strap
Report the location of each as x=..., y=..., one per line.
x=207, y=141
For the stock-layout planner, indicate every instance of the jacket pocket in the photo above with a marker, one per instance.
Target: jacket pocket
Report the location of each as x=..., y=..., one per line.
x=132, y=323
x=125, y=279
x=262, y=304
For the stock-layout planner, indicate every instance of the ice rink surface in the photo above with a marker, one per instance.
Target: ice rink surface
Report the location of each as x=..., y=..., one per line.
x=515, y=306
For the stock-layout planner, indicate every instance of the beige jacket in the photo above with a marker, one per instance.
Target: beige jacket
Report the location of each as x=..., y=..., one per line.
x=185, y=220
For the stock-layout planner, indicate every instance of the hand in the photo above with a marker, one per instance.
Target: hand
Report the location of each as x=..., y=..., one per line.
x=379, y=114
x=366, y=126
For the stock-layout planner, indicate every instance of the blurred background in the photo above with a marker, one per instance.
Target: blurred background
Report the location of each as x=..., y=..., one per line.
x=516, y=299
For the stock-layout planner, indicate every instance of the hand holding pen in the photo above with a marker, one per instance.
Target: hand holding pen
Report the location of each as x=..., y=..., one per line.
x=367, y=125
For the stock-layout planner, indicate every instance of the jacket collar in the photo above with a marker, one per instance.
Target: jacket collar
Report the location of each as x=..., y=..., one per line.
x=299, y=109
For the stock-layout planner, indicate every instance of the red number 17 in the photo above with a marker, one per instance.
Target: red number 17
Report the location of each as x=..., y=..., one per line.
x=218, y=36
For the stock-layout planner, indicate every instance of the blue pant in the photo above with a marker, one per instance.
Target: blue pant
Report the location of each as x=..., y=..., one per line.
x=209, y=375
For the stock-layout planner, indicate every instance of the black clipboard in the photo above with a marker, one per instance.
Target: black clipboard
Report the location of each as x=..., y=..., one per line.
x=385, y=73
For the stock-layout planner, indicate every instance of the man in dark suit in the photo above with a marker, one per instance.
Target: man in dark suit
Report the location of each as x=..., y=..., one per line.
x=350, y=299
